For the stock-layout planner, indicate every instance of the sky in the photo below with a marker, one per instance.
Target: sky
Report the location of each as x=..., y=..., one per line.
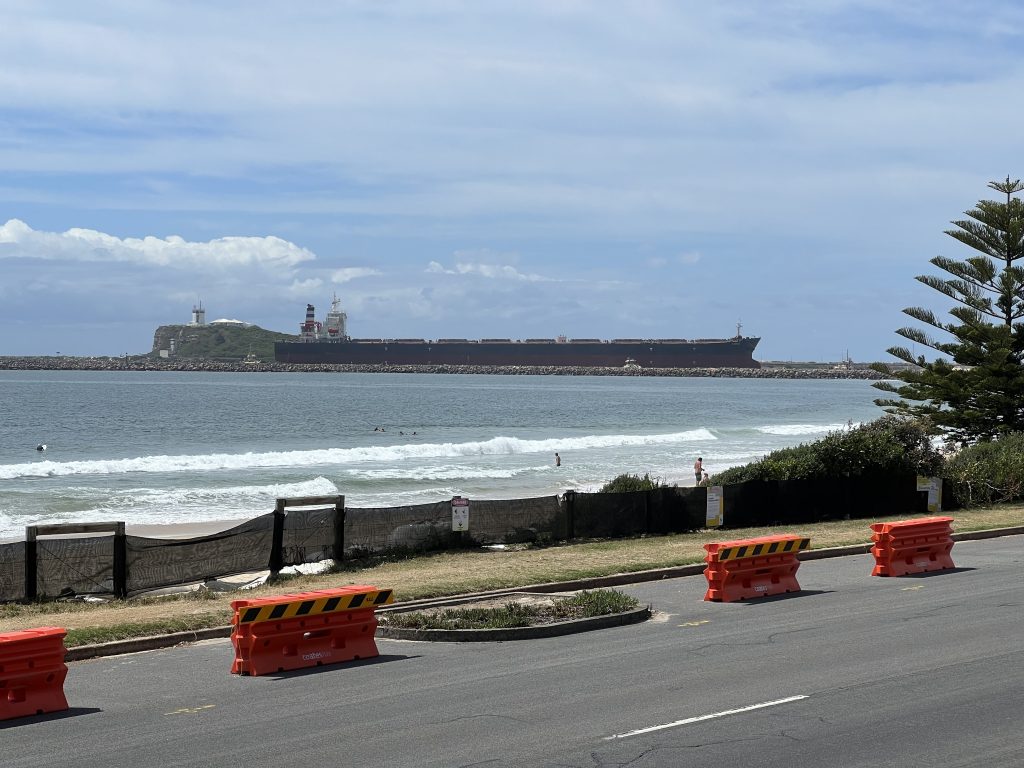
x=521, y=169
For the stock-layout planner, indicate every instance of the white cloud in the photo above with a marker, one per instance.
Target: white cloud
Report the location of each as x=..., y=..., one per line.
x=303, y=288
x=19, y=240
x=660, y=262
x=490, y=271
x=346, y=274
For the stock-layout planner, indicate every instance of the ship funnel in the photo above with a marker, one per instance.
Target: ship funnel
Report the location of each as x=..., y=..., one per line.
x=308, y=327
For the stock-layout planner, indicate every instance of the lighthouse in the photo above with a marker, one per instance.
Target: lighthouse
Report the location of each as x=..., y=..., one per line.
x=198, y=315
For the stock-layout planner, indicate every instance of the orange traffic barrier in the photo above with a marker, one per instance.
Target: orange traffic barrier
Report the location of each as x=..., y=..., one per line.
x=308, y=629
x=32, y=672
x=912, y=546
x=740, y=570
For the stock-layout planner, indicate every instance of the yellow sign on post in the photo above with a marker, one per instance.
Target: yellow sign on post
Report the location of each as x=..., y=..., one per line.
x=933, y=485
x=460, y=514
x=716, y=506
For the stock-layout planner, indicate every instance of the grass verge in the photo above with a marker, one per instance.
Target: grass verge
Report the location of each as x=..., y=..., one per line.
x=445, y=574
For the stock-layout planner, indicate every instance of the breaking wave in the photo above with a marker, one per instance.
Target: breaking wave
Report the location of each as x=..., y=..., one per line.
x=496, y=446
x=800, y=429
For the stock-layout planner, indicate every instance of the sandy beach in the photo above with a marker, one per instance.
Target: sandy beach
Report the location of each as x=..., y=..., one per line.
x=189, y=530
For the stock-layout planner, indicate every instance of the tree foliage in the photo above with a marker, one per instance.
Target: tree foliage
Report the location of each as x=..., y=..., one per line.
x=987, y=472
x=974, y=389
x=627, y=483
x=885, y=446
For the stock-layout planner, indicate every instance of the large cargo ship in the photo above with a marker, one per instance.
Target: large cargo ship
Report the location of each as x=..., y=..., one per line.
x=329, y=343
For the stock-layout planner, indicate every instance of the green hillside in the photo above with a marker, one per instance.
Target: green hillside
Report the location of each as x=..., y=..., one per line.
x=217, y=341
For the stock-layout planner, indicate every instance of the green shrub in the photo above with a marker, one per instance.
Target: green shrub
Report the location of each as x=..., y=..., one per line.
x=602, y=602
x=986, y=473
x=626, y=483
x=586, y=604
x=885, y=446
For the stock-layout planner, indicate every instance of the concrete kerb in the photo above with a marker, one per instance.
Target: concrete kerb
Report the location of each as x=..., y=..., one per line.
x=155, y=642
x=139, y=644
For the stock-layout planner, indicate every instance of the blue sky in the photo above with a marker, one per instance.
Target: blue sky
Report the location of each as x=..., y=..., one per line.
x=514, y=169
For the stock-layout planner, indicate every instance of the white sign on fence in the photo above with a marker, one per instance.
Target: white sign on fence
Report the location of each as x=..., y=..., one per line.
x=460, y=514
x=716, y=506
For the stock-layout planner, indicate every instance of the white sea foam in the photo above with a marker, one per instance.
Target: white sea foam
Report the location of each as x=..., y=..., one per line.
x=448, y=472
x=208, y=495
x=496, y=446
x=800, y=429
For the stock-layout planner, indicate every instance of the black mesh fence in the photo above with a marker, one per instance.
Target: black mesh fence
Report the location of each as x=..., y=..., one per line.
x=308, y=536
x=12, y=571
x=87, y=565
x=608, y=515
x=153, y=563
x=662, y=510
x=749, y=504
x=758, y=503
x=75, y=566
x=515, y=521
x=676, y=510
x=419, y=527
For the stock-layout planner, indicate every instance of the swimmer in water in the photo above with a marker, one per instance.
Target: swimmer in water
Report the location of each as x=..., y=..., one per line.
x=41, y=447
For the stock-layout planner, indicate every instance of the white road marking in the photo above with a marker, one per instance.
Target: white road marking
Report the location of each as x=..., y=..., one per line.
x=698, y=719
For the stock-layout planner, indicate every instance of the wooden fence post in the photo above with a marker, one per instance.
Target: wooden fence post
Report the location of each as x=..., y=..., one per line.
x=31, y=564
x=277, y=540
x=339, y=530
x=120, y=575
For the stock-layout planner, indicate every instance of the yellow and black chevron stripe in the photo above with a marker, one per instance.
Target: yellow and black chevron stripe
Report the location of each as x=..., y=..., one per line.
x=332, y=604
x=763, y=548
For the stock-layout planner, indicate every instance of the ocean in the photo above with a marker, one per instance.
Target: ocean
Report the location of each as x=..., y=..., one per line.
x=182, y=447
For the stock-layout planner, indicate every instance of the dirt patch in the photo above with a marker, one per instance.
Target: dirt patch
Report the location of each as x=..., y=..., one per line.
x=542, y=607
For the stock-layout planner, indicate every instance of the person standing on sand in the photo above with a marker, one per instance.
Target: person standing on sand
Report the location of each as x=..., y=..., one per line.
x=558, y=460
x=698, y=469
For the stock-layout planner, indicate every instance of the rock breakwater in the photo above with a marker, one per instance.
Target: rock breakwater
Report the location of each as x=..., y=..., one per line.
x=64, y=363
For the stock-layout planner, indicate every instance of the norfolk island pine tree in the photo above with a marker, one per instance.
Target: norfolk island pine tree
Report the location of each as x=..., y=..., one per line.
x=974, y=389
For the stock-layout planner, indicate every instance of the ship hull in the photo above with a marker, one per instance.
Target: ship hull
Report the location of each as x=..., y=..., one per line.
x=714, y=353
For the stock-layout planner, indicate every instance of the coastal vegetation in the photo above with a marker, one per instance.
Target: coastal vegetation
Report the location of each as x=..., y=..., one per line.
x=512, y=613
x=216, y=341
x=887, y=445
x=974, y=390
x=988, y=472
x=984, y=473
x=626, y=483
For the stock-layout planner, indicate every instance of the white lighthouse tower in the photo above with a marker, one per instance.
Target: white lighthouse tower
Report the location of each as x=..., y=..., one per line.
x=198, y=315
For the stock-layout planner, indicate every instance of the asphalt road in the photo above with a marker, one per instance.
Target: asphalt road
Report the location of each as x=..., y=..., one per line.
x=853, y=671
